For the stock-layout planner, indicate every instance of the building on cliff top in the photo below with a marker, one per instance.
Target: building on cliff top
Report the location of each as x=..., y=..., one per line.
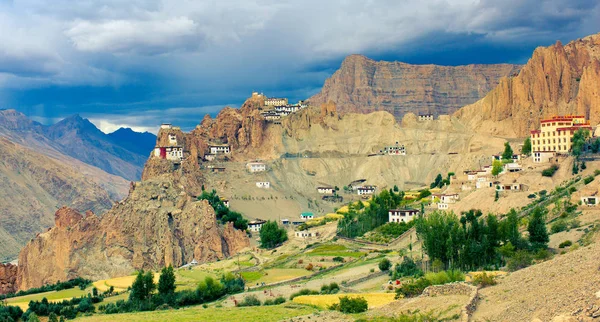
x=272, y=101
x=555, y=135
x=426, y=117
x=219, y=149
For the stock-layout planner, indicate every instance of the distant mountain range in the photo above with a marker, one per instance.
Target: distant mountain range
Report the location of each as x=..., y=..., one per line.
x=69, y=163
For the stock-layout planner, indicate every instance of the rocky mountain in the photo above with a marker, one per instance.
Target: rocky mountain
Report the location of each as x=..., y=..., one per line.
x=559, y=79
x=140, y=143
x=34, y=185
x=156, y=225
x=8, y=278
x=36, y=178
x=81, y=139
x=363, y=85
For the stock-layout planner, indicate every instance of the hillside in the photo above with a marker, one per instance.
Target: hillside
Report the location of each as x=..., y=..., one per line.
x=34, y=185
x=79, y=138
x=363, y=85
x=557, y=80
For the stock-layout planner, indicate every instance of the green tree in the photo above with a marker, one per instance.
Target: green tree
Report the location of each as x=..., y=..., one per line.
x=166, y=282
x=508, y=152
x=578, y=142
x=497, y=168
x=526, y=149
x=396, y=188
x=385, y=265
x=437, y=182
x=596, y=145
x=538, y=234
x=52, y=317
x=271, y=235
x=32, y=317
x=143, y=286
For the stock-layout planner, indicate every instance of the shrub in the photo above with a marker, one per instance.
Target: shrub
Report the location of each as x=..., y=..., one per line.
x=385, y=265
x=309, y=267
x=520, y=259
x=351, y=305
x=588, y=179
x=338, y=259
x=408, y=267
x=445, y=277
x=250, y=300
x=484, y=280
x=558, y=226
x=531, y=196
x=542, y=254
x=597, y=172
x=412, y=289
x=549, y=172
x=332, y=288
x=566, y=243
x=304, y=291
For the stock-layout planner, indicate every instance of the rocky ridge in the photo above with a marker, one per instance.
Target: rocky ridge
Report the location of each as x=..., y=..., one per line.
x=557, y=80
x=8, y=278
x=158, y=224
x=363, y=85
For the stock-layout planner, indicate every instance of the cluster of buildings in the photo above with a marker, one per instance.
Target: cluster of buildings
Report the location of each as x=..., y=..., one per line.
x=425, y=117
x=276, y=108
x=555, y=135
x=171, y=150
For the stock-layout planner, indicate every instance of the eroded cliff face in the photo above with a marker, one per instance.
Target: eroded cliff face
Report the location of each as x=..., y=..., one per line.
x=158, y=224
x=362, y=85
x=8, y=278
x=557, y=80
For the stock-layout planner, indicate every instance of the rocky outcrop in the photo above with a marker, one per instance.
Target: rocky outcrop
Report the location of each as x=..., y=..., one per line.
x=8, y=278
x=158, y=224
x=557, y=80
x=362, y=85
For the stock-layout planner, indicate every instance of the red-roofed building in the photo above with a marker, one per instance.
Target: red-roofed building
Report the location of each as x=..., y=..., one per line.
x=555, y=134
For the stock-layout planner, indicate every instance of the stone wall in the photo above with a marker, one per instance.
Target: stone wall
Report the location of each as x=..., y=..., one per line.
x=458, y=288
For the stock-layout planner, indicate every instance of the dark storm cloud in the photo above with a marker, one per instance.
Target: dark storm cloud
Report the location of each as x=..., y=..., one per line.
x=139, y=62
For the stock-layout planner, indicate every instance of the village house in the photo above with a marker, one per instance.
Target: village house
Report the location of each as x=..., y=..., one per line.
x=285, y=221
x=483, y=183
x=307, y=215
x=219, y=149
x=271, y=116
x=402, y=215
x=325, y=190
x=512, y=167
x=256, y=167
x=172, y=153
x=210, y=157
x=356, y=183
x=272, y=101
x=166, y=126
x=263, y=184
x=365, y=190
x=514, y=158
x=444, y=198
x=256, y=225
x=394, y=150
x=306, y=234
x=471, y=175
x=555, y=135
x=217, y=169
x=225, y=202
x=426, y=117
x=543, y=156
x=511, y=187
x=443, y=206
x=590, y=201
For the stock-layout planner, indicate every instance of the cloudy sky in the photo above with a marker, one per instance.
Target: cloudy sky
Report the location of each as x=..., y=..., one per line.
x=138, y=63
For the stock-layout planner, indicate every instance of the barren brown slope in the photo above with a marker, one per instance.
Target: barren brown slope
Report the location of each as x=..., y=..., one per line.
x=363, y=85
x=33, y=186
x=561, y=286
x=556, y=80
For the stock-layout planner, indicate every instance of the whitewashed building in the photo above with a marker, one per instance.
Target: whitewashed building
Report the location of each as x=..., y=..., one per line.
x=219, y=149
x=402, y=215
x=306, y=234
x=272, y=101
x=591, y=201
x=256, y=167
x=543, y=156
x=263, y=184
x=325, y=190
x=365, y=190
x=256, y=225
x=426, y=117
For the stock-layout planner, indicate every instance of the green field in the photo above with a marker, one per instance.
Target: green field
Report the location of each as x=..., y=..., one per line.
x=23, y=301
x=197, y=313
x=250, y=277
x=334, y=250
